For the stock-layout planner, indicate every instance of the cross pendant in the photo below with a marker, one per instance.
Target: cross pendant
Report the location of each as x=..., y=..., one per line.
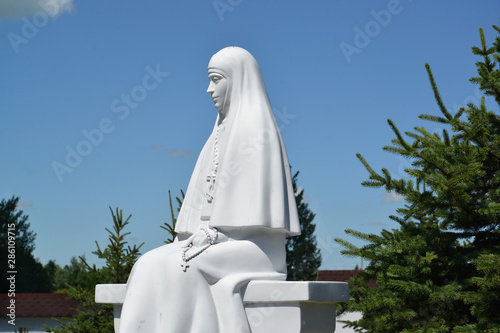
x=211, y=180
x=185, y=266
x=211, y=183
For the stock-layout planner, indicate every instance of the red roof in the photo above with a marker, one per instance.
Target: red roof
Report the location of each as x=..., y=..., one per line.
x=342, y=275
x=39, y=305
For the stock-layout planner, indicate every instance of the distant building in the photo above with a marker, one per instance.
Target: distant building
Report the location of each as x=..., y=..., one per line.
x=342, y=276
x=34, y=311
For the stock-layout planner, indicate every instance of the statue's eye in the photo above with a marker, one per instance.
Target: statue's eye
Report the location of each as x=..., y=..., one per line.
x=215, y=79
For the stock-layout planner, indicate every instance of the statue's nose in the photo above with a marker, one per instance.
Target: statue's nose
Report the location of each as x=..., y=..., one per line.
x=210, y=89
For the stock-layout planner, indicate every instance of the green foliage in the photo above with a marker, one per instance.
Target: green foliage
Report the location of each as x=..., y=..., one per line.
x=22, y=330
x=439, y=271
x=303, y=258
x=170, y=227
x=119, y=260
x=31, y=276
x=418, y=271
x=485, y=300
x=10, y=214
x=75, y=275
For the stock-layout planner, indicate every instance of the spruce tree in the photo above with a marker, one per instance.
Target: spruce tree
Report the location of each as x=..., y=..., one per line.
x=439, y=271
x=119, y=259
x=303, y=258
x=16, y=252
x=170, y=227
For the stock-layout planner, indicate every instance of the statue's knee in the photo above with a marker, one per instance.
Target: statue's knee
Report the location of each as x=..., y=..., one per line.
x=160, y=256
x=148, y=258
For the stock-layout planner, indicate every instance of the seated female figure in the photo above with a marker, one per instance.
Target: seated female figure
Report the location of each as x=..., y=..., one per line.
x=238, y=210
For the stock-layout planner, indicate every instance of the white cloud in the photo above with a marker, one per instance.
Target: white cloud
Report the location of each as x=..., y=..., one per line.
x=392, y=197
x=18, y=8
x=179, y=152
x=174, y=152
x=24, y=204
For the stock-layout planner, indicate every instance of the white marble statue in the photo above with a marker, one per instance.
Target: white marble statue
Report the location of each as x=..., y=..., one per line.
x=238, y=210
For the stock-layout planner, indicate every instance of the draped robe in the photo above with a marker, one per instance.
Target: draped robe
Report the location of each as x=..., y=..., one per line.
x=252, y=205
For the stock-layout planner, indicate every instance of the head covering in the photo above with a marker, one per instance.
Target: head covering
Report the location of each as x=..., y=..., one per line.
x=253, y=184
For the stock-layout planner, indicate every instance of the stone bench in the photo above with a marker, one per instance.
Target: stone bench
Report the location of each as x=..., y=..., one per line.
x=271, y=306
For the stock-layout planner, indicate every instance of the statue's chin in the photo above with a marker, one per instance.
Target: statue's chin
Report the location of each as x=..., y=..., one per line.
x=219, y=106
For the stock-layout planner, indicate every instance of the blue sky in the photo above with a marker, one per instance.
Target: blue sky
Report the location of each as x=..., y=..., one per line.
x=123, y=85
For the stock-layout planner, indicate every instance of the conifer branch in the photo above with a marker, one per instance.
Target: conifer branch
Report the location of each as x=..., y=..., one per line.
x=398, y=135
x=171, y=209
x=459, y=113
x=434, y=118
x=170, y=227
x=415, y=143
x=367, y=166
x=377, y=179
x=415, y=136
x=433, y=164
x=446, y=138
x=398, y=151
x=437, y=96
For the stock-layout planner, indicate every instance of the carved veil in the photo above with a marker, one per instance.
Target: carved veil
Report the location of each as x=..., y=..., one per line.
x=253, y=186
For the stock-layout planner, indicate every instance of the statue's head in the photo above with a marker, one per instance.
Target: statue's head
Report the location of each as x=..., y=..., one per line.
x=218, y=88
x=227, y=71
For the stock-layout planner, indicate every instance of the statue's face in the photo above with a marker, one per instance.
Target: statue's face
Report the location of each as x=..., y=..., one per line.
x=218, y=88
